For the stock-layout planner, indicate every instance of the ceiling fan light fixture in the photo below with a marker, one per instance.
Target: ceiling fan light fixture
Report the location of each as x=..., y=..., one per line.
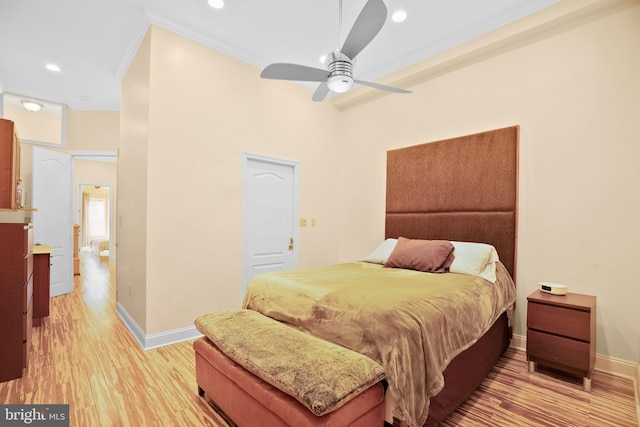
x=341, y=68
x=31, y=105
x=340, y=83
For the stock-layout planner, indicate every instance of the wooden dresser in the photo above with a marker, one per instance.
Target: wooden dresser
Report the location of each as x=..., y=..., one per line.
x=561, y=333
x=16, y=304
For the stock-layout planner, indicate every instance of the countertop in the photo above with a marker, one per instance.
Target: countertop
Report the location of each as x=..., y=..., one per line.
x=41, y=249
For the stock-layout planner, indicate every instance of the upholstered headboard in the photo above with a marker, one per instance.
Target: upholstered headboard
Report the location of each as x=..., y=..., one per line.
x=462, y=189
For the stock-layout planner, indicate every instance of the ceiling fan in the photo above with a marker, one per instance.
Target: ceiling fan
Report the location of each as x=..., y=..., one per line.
x=339, y=74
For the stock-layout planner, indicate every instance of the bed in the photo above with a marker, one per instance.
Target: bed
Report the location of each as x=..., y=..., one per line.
x=411, y=322
x=434, y=354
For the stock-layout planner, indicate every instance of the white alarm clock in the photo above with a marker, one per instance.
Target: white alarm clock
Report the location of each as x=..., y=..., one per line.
x=554, y=288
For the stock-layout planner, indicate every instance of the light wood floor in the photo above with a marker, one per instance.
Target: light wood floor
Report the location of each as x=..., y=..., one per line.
x=83, y=355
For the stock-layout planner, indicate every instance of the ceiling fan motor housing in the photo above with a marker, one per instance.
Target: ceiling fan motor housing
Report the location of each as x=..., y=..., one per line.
x=341, y=72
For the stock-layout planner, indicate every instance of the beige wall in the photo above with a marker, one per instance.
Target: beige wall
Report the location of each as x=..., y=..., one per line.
x=131, y=216
x=188, y=114
x=93, y=130
x=41, y=126
x=576, y=96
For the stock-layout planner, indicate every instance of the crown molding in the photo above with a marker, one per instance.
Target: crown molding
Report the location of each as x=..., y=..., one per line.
x=209, y=42
x=140, y=31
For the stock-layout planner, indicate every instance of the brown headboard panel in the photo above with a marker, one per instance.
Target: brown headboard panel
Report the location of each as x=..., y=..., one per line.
x=463, y=189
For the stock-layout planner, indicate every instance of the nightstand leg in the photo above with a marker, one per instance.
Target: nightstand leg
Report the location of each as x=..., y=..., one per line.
x=586, y=384
x=532, y=367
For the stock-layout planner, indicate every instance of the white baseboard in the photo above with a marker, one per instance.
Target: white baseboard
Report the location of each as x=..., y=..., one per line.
x=518, y=342
x=608, y=364
x=148, y=342
x=638, y=391
x=131, y=324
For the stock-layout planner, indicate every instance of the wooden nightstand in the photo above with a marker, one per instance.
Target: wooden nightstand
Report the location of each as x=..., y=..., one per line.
x=561, y=333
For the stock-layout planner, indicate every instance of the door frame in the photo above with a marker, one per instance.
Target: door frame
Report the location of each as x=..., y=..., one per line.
x=246, y=157
x=98, y=156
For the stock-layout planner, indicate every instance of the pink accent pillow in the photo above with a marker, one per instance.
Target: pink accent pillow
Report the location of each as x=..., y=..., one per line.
x=431, y=256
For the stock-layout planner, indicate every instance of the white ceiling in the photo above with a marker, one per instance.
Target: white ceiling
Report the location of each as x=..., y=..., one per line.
x=93, y=41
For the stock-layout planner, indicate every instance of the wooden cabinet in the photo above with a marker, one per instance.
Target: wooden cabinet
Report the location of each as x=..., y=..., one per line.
x=41, y=283
x=9, y=165
x=561, y=333
x=16, y=302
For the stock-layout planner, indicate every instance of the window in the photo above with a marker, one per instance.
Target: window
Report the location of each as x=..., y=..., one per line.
x=97, y=217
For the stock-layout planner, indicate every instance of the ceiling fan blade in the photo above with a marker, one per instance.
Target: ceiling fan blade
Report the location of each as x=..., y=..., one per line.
x=294, y=72
x=382, y=87
x=321, y=92
x=367, y=25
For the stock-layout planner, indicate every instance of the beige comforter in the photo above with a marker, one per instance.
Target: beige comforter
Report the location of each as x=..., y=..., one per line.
x=410, y=322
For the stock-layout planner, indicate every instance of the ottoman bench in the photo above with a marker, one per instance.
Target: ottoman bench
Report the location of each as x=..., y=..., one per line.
x=258, y=371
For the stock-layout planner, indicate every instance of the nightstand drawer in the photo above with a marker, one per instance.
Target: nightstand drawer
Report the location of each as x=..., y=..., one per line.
x=559, y=320
x=559, y=350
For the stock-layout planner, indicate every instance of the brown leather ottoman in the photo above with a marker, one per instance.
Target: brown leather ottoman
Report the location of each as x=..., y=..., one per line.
x=249, y=401
x=259, y=371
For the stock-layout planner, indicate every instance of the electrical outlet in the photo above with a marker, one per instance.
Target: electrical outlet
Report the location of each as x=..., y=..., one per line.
x=303, y=222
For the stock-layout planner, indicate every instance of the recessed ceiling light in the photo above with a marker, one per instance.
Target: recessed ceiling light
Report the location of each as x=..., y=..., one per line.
x=399, y=16
x=216, y=4
x=323, y=59
x=52, y=67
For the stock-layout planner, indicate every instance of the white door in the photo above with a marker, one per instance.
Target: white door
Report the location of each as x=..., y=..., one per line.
x=270, y=212
x=52, y=220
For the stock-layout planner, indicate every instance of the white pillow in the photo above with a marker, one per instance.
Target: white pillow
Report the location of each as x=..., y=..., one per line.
x=382, y=252
x=475, y=259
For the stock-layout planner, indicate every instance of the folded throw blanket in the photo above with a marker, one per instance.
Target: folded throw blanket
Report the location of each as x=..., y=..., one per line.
x=321, y=375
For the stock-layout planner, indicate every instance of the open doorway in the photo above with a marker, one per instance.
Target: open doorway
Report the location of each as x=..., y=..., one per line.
x=96, y=176
x=95, y=219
